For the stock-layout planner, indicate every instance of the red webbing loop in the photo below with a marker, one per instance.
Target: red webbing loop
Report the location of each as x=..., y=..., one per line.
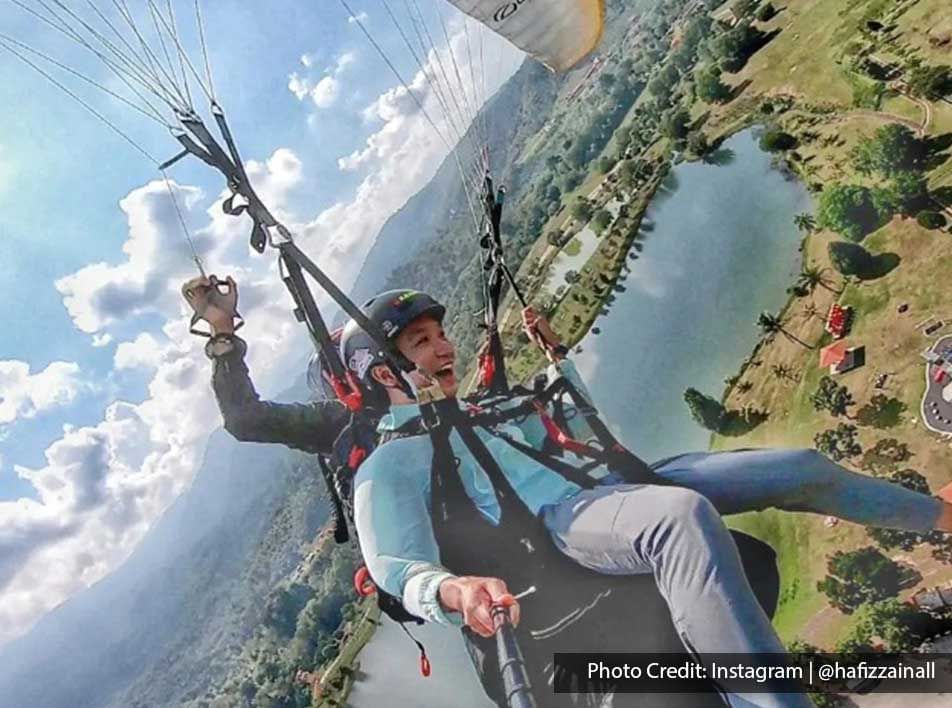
x=487, y=368
x=355, y=457
x=563, y=439
x=363, y=584
x=348, y=392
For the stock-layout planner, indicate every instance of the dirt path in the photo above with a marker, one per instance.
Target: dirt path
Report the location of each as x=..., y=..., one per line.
x=810, y=629
x=889, y=118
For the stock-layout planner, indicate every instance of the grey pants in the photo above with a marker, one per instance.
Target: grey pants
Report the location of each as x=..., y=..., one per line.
x=678, y=535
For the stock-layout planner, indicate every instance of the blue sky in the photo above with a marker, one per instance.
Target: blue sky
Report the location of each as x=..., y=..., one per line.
x=104, y=397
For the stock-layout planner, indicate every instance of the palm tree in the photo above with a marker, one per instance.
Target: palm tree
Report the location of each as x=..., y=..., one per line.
x=805, y=222
x=811, y=276
x=810, y=311
x=783, y=372
x=771, y=324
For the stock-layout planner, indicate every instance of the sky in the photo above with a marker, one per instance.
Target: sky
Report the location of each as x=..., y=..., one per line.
x=105, y=402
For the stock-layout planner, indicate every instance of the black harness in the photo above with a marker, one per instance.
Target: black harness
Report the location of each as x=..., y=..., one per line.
x=573, y=608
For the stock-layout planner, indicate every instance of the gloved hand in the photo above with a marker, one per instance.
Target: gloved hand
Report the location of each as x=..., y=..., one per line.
x=214, y=301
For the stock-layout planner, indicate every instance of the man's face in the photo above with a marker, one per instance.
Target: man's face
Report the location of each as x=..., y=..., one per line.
x=424, y=342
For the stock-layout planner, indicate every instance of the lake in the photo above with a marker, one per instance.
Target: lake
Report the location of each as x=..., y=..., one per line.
x=722, y=248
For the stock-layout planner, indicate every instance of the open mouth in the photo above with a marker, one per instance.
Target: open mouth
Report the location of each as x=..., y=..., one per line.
x=444, y=372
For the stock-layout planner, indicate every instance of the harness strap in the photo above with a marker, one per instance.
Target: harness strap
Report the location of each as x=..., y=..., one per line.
x=577, y=475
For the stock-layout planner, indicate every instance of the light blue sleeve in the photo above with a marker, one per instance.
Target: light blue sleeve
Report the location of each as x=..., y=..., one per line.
x=395, y=530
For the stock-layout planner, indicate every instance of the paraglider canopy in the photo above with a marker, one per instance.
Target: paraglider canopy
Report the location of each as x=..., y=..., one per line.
x=558, y=33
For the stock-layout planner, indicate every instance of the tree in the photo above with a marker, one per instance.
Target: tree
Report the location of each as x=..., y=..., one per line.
x=811, y=276
x=805, y=222
x=838, y=443
x=881, y=412
x=906, y=193
x=766, y=12
x=553, y=193
x=860, y=576
x=676, y=124
x=849, y=210
x=606, y=80
x=931, y=220
x=930, y=82
x=743, y=8
x=601, y=220
x=697, y=143
x=850, y=258
x=583, y=210
x=663, y=82
x=774, y=140
x=708, y=412
x=892, y=148
x=832, y=397
x=885, y=456
x=897, y=623
x=734, y=47
x=771, y=324
x=709, y=87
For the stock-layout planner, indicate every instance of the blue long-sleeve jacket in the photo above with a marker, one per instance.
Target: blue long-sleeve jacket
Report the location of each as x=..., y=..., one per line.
x=392, y=501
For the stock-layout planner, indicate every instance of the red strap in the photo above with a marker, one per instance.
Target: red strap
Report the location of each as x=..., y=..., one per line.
x=487, y=368
x=561, y=438
x=363, y=584
x=425, y=667
x=348, y=392
x=356, y=456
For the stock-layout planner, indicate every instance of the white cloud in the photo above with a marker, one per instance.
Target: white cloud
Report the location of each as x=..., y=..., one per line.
x=102, y=340
x=359, y=17
x=142, y=352
x=299, y=85
x=25, y=395
x=343, y=60
x=325, y=91
x=100, y=294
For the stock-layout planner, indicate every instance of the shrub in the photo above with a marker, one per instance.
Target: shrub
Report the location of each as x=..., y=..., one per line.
x=776, y=140
x=931, y=220
x=766, y=12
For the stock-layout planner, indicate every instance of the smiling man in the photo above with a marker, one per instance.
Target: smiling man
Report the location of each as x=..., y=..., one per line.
x=671, y=529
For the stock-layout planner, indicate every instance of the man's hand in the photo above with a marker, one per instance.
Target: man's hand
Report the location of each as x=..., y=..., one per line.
x=474, y=598
x=538, y=329
x=211, y=304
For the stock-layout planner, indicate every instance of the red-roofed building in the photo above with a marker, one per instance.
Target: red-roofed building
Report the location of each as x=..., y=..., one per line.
x=946, y=493
x=833, y=354
x=839, y=357
x=838, y=320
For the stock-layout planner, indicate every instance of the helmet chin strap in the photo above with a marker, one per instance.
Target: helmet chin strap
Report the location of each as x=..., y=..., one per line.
x=429, y=391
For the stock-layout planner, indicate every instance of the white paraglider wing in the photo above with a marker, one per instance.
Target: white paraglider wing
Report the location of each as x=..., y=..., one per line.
x=558, y=33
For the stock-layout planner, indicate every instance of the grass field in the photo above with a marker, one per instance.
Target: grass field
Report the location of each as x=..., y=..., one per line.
x=803, y=61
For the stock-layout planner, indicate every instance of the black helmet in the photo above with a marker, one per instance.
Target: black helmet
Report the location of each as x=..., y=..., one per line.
x=392, y=311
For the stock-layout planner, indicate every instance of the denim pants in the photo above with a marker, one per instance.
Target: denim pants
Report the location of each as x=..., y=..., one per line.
x=678, y=535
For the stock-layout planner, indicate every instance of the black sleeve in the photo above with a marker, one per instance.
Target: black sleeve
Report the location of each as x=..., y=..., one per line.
x=311, y=427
